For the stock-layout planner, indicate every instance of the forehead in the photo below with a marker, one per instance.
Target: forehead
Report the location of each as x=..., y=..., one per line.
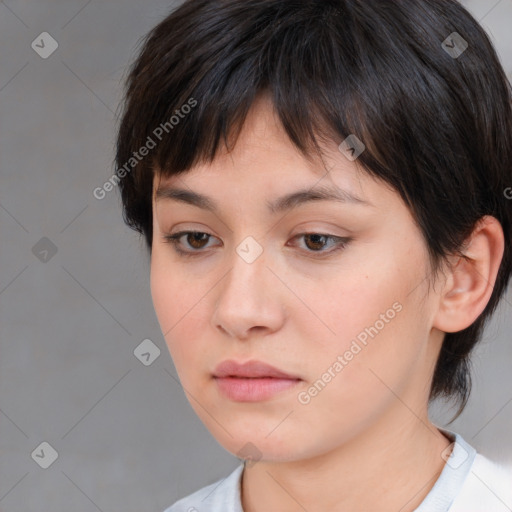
x=264, y=161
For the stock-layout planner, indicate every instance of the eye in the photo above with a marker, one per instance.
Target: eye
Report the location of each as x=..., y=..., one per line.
x=197, y=240
x=317, y=241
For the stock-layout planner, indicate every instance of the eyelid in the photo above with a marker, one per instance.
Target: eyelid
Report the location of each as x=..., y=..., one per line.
x=173, y=239
x=340, y=242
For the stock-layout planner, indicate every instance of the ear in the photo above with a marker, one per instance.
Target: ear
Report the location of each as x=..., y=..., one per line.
x=470, y=280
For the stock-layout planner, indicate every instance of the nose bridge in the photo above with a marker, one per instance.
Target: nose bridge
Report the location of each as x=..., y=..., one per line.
x=245, y=300
x=248, y=267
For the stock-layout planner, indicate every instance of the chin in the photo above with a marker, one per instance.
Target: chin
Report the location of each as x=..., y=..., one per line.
x=254, y=445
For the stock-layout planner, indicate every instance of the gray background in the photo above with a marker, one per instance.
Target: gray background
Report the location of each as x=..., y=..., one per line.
x=125, y=435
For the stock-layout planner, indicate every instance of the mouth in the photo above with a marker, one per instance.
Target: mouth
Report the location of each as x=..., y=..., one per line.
x=252, y=381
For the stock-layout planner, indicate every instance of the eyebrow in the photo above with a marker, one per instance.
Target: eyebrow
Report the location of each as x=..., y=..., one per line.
x=281, y=204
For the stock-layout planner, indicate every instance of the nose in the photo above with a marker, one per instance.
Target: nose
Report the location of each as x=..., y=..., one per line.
x=249, y=299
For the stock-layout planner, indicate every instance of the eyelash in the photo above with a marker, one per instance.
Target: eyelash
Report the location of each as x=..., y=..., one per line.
x=341, y=243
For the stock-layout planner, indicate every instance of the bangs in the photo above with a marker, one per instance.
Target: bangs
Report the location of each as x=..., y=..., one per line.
x=289, y=58
x=329, y=72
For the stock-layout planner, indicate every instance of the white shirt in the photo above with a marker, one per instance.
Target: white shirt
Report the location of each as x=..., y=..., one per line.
x=469, y=482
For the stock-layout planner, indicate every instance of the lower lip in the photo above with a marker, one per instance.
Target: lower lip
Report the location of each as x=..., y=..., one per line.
x=253, y=390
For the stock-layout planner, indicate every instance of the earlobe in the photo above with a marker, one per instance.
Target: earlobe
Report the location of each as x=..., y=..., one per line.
x=470, y=281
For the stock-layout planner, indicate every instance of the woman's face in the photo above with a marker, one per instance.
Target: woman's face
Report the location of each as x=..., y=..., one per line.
x=348, y=319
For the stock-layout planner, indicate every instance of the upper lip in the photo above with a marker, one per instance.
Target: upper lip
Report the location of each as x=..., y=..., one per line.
x=250, y=369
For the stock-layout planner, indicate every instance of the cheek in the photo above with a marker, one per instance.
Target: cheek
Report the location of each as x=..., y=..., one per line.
x=357, y=305
x=163, y=292
x=376, y=336
x=351, y=383
x=176, y=306
x=181, y=307
x=173, y=292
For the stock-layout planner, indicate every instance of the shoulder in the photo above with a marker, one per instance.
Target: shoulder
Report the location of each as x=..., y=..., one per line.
x=224, y=494
x=488, y=486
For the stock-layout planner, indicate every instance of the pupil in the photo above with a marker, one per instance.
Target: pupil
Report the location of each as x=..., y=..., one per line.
x=315, y=239
x=196, y=238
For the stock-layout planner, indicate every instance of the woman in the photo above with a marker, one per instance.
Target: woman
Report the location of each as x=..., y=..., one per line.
x=322, y=188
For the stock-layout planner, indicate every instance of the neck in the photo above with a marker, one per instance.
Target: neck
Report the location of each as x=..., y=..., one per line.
x=391, y=467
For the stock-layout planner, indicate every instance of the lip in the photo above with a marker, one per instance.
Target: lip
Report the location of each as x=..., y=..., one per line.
x=250, y=370
x=252, y=381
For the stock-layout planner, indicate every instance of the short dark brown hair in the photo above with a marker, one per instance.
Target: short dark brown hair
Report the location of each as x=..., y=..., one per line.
x=437, y=126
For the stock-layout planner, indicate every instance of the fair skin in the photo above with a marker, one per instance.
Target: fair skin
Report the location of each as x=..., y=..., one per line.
x=365, y=441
